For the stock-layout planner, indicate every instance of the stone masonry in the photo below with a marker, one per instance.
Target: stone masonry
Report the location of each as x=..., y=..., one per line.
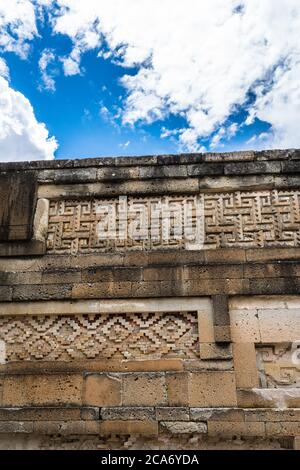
x=151, y=302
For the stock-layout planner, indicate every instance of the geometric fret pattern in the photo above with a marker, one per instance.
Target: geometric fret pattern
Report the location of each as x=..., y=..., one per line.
x=278, y=365
x=245, y=219
x=117, y=336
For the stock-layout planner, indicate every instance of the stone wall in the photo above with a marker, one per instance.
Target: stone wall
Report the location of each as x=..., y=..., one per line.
x=151, y=302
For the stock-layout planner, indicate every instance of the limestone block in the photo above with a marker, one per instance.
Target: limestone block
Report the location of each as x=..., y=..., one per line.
x=145, y=428
x=212, y=388
x=184, y=427
x=102, y=390
x=177, y=389
x=21, y=390
x=245, y=367
x=279, y=325
x=144, y=389
x=172, y=413
x=283, y=428
x=215, y=351
x=245, y=326
x=206, y=326
x=217, y=414
x=140, y=413
x=230, y=429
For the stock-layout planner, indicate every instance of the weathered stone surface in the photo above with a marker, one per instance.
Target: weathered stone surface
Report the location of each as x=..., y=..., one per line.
x=140, y=413
x=144, y=389
x=23, y=390
x=145, y=428
x=212, y=389
x=17, y=203
x=172, y=413
x=184, y=427
x=102, y=390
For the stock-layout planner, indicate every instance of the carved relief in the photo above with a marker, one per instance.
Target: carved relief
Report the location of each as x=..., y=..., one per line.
x=109, y=336
x=278, y=366
x=212, y=220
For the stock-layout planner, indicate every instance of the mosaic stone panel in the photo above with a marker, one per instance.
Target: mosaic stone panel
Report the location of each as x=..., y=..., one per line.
x=110, y=336
x=279, y=365
x=206, y=221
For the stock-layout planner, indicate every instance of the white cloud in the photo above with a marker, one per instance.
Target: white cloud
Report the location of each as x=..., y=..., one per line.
x=47, y=58
x=197, y=59
x=21, y=136
x=4, y=72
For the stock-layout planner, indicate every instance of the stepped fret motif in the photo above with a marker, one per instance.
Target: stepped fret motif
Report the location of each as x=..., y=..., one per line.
x=206, y=221
x=108, y=336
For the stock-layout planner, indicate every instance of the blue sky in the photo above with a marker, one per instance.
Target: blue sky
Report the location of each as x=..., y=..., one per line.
x=117, y=81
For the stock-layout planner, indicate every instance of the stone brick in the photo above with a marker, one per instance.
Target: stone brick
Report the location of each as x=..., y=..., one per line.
x=20, y=390
x=138, y=413
x=217, y=414
x=222, y=334
x=245, y=326
x=184, y=427
x=144, y=428
x=40, y=413
x=101, y=290
x=7, y=427
x=102, y=390
x=42, y=292
x=5, y=293
x=55, y=277
x=231, y=429
x=283, y=428
x=220, y=309
x=269, y=398
x=172, y=413
x=214, y=351
x=212, y=389
x=177, y=389
x=273, y=415
x=246, y=373
x=144, y=389
x=206, y=326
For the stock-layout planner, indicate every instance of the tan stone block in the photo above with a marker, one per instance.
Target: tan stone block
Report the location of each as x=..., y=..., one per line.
x=172, y=413
x=50, y=277
x=273, y=415
x=269, y=398
x=155, y=365
x=212, y=388
x=144, y=389
x=296, y=443
x=177, y=389
x=59, y=427
x=283, y=429
x=217, y=414
x=215, y=351
x=145, y=428
x=206, y=326
x=244, y=326
x=184, y=427
x=101, y=290
x=222, y=334
x=245, y=367
x=208, y=364
x=279, y=325
x=19, y=390
x=38, y=413
x=102, y=390
x=230, y=429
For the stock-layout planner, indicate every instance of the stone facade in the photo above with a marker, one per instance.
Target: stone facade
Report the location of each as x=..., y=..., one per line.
x=151, y=302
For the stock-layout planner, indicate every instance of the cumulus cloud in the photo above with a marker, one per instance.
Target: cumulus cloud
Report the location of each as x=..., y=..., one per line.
x=199, y=60
x=22, y=137
x=47, y=58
